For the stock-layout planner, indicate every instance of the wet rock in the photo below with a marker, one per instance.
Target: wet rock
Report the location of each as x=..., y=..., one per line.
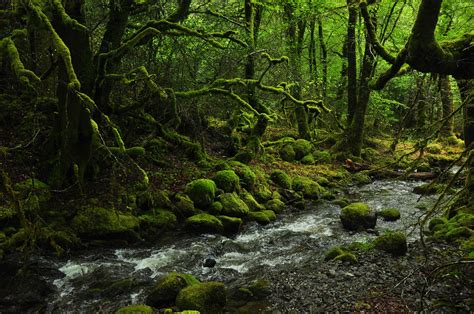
x=209, y=262
x=392, y=242
x=204, y=223
x=167, y=288
x=233, y=206
x=208, y=297
x=358, y=216
x=135, y=309
x=202, y=192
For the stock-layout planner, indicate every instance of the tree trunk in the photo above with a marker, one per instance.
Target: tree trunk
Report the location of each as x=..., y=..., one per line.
x=351, y=62
x=324, y=58
x=447, y=106
x=313, y=63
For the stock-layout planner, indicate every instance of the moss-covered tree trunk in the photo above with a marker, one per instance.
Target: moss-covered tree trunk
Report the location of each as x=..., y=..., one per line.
x=75, y=129
x=324, y=59
x=351, y=62
x=355, y=132
x=312, y=60
x=447, y=106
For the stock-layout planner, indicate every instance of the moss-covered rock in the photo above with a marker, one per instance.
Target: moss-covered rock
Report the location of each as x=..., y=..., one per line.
x=204, y=223
x=251, y=202
x=339, y=254
x=263, y=193
x=437, y=221
x=233, y=206
x=358, y=216
x=434, y=148
x=166, y=289
x=287, y=153
x=135, y=309
x=248, y=178
x=275, y=205
x=322, y=156
x=216, y=208
x=208, y=297
x=144, y=200
x=393, y=242
x=231, y=225
x=263, y=217
x=260, y=288
x=342, y=202
x=227, y=180
x=98, y=222
x=202, y=192
x=390, y=214
x=302, y=148
x=158, y=220
x=281, y=179
x=161, y=199
x=308, y=187
x=184, y=206
x=40, y=189
x=428, y=189
x=308, y=160
x=361, y=178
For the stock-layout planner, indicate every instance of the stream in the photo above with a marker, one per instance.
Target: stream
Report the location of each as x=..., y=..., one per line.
x=296, y=237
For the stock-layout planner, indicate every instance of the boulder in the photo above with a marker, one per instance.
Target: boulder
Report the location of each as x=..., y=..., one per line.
x=390, y=214
x=308, y=187
x=394, y=242
x=233, y=206
x=227, y=180
x=202, y=192
x=208, y=297
x=281, y=179
x=166, y=289
x=358, y=216
x=263, y=217
x=204, y=223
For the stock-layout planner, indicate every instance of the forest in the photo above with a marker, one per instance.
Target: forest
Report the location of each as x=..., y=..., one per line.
x=236, y=156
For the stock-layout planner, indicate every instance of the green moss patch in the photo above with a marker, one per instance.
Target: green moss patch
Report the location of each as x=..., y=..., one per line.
x=166, y=289
x=202, y=192
x=281, y=179
x=208, y=297
x=308, y=187
x=135, y=309
x=263, y=217
x=233, y=206
x=393, y=242
x=204, y=223
x=227, y=180
x=358, y=216
x=390, y=214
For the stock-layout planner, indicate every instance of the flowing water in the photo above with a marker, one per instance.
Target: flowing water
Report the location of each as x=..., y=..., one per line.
x=297, y=236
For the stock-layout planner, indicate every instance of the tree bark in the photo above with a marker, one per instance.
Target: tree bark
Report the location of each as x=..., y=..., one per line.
x=351, y=62
x=447, y=106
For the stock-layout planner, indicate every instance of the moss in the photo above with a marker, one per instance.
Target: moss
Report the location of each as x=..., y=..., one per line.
x=455, y=233
x=158, y=219
x=231, y=225
x=360, y=246
x=390, y=214
x=275, y=205
x=322, y=181
x=393, y=242
x=308, y=160
x=342, y=202
x=263, y=217
x=287, y=153
x=233, y=206
x=437, y=221
x=98, y=222
x=166, y=289
x=360, y=178
x=339, y=254
x=260, y=288
x=216, y=208
x=281, y=179
x=161, y=199
x=263, y=193
x=308, y=187
x=302, y=148
x=6, y=214
x=346, y=257
x=208, y=297
x=184, y=205
x=144, y=200
x=322, y=156
x=358, y=216
x=455, y=141
x=204, y=223
x=434, y=148
x=34, y=186
x=333, y=252
x=202, y=192
x=248, y=178
x=251, y=202
x=227, y=180
x=135, y=309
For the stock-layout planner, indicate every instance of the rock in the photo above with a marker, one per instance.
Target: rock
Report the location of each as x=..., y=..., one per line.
x=390, y=214
x=204, y=223
x=227, y=180
x=281, y=179
x=135, y=309
x=248, y=178
x=208, y=297
x=157, y=220
x=263, y=193
x=233, y=206
x=209, y=262
x=308, y=160
x=287, y=153
x=339, y=254
x=275, y=205
x=263, y=217
x=202, y=192
x=184, y=205
x=231, y=225
x=260, y=288
x=144, y=201
x=361, y=178
x=302, y=148
x=166, y=289
x=394, y=242
x=358, y=216
x=308, y=187
x=251, y=202
x=98, y=223
x=161, y=199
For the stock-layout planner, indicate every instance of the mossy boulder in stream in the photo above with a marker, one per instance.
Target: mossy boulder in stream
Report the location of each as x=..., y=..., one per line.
x=308, y=187
x=248, y=178
x=227, y=180
x=184, y=206
x=358, y=216
x=98, y=222
x=389, y=214
x=263, y=217
x=281, y=179
x=202, y=192
x=231, y=225
x=157, y=220
x=275, y=205
x=207, y=297
x=135, y=309
x=233, y=206
x=251, y=202
x=204, y=223
x=393, y=242
x=166, y=289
